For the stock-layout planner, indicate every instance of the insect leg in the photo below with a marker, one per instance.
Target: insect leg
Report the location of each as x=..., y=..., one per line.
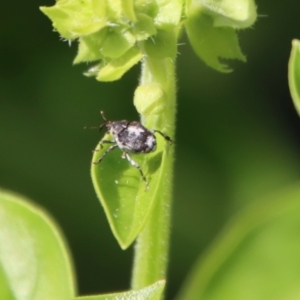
x=103, y=142
x=165, y=136
x=136, y=165
x=107, y=151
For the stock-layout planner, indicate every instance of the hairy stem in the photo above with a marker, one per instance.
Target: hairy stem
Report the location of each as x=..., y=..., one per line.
x=152, y=246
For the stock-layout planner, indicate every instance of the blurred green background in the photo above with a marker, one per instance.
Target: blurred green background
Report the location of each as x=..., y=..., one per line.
x=237, y=136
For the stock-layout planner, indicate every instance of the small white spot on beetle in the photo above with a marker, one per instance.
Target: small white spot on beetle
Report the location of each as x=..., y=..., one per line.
x=151, y=142
x=134, y=130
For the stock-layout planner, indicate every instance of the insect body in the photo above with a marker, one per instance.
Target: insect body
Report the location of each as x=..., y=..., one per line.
x=130, y=137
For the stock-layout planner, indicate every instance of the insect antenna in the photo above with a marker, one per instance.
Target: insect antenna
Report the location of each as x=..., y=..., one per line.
x=102, y=114
x=91, y=127
x=105, y=123
x=101, y=126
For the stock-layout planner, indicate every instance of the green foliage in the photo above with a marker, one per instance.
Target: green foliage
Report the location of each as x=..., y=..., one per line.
x=119, y=33
x=34, y=260
x=212, y=43
x=211, y=25
x=122, y=191
x=113, y=31
x=77, y=18
x=257, y=256
x=225, y=13
x=294, y=74
x=152, y=292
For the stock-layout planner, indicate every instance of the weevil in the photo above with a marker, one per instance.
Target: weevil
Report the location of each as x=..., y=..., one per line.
x=130, y=137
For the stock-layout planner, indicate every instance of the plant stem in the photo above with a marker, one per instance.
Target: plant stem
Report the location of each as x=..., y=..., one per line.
x=152, y=246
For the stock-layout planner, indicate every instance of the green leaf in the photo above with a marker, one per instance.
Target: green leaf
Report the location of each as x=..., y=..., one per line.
x=169, y=13
x=233, y=13
x=121, y=11
x=77, y=18
x=152, y=292
x=149, y=8
x=256, y=257
x=117, y=43
x=122, y=191
x=94, y=70
x=212, y=43
x=162, y=45
x=5, y=291
x=144, y=27
x=90, y=46
x=34, y=260
x=128, y=10
x=114, y=9
x=104, y=44
x=115, y=69
x=98, y=7
x=294, y=74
